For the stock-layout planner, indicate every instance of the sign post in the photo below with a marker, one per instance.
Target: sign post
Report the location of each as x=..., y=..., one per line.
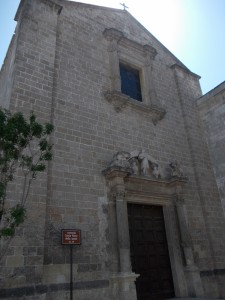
x=71, y=271
x=71, y=237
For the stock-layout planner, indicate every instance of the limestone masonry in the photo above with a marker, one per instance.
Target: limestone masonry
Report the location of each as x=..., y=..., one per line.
x=131, y=167
x=212, y=112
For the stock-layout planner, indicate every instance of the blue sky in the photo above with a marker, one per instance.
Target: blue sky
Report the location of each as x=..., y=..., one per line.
x=193, y=30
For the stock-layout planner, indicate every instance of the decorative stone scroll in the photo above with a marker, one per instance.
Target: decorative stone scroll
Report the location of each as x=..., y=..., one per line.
x=112, y=34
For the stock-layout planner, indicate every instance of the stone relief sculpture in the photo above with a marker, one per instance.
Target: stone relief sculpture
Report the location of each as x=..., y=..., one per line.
x=140, y=163
x=155, y=170
x=120, y=159
x=134, y=165
x=145, y=159
x=137, y=162
x=176, y=171
x=146, y=165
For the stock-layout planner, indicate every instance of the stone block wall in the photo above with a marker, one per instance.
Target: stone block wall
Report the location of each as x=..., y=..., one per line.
x=211, y=109
x=32, y=63
x=6, y=75
x=62, y=72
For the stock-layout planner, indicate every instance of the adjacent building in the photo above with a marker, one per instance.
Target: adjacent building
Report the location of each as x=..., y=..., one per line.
x=212, y=112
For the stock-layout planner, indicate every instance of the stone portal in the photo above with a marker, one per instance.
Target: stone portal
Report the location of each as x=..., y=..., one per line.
x=149, y=267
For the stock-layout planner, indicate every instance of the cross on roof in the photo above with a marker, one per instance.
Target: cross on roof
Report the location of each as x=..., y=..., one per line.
x=124, y=6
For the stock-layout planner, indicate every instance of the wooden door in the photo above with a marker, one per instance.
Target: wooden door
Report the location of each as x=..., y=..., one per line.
x=149, y=252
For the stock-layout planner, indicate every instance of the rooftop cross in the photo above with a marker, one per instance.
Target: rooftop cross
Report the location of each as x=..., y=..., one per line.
x=124, y=6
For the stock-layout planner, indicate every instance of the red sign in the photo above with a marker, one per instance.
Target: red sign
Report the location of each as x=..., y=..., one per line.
x=71, y=236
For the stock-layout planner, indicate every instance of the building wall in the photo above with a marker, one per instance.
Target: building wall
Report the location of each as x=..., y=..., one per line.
x=64, y=66
x=32, y=85
x=211, y=108
x=7, y=70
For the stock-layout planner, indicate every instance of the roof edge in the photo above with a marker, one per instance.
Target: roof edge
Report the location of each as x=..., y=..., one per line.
x=213, y=92
x=76, y=3
x=186, y=70
x=50, y=3
x=160, y=44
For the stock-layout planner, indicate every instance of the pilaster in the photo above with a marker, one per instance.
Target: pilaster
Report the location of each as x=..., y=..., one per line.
x=113, y=36
x=191, y=270
x=150, y=54
x=122, y=282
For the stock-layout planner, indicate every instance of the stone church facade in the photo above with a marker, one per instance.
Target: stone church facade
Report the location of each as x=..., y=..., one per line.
x=131, y=167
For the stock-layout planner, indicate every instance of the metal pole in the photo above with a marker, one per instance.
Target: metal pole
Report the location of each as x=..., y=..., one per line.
x=71, y=272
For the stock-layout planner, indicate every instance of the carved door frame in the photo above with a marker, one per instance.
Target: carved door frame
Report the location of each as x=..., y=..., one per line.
x=163, y=193
x=125, y=188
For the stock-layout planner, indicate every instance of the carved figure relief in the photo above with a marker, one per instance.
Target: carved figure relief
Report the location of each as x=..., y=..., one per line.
x=134, y=165
x=145, y=164
x=176, y=171
x=140, y=163
x=120, y=159
x=144, y=158
x=155, y=170
x=137, y=162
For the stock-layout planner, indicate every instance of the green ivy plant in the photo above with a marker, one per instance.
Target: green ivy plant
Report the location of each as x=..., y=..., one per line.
x=24, y=149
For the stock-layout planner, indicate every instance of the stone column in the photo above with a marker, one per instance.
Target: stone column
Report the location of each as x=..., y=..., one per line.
x=113, y=249
x=192, y=271
x=123, y=230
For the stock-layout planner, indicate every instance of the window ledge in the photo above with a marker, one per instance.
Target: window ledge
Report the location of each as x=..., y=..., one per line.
x=120, y=101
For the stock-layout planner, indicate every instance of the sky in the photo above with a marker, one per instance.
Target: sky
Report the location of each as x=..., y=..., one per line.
x=193, y=30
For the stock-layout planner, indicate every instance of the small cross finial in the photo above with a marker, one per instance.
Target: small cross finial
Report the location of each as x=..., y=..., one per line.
x=124, y=6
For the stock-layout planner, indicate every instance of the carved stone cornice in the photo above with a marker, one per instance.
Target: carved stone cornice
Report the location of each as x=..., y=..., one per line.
x=111, y=34
x=159, y=197
x=127, y=43
x=148, y=190
x=120, y=101
x=21, y=9
x=175, y=183
x=117, y=99
x=184, y=70
x=150, y=51
x=116, y=171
